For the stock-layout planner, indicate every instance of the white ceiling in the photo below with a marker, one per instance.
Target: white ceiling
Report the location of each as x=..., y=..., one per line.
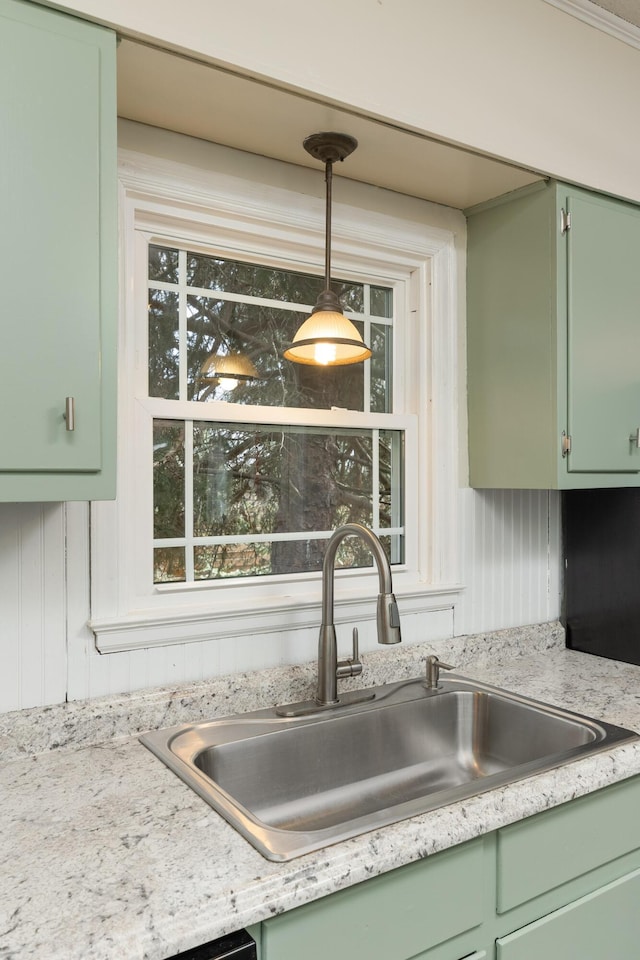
x=170, y=91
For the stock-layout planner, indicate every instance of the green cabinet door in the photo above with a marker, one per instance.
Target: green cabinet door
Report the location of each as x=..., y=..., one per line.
x=434, y=904
x=57, y=255
x=553, y=335
x=548, y=851
x=604, y=925
x=603, y=321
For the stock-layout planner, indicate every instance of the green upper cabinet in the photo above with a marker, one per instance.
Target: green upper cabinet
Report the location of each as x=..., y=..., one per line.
x=553, y=340
x=58, y=256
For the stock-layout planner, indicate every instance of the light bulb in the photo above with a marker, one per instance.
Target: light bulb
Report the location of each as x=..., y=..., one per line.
x=228, y=383
x=324, y=353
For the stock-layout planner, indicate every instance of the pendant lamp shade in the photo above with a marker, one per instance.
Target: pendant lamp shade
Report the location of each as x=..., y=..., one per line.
x=327, y=337
x=228, y=369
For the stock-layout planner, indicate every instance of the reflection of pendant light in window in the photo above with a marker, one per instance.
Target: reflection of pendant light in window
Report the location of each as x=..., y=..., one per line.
x=228, y=369
x=327, y=337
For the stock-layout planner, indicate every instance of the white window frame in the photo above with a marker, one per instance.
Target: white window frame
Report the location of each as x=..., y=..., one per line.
x=162, y=201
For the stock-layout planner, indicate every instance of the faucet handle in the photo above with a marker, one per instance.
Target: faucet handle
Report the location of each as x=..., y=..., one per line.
x=351, y=667
x=434, y=666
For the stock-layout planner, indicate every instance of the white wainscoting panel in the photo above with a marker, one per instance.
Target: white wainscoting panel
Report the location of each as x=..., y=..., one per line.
x=33, y=667
x=510, y=559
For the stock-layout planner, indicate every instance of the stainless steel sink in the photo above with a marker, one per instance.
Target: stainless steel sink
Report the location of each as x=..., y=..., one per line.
x=293, y=785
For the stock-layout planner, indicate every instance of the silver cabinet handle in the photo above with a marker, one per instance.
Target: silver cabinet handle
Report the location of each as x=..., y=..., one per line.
x=70, y=413
x=635, y=438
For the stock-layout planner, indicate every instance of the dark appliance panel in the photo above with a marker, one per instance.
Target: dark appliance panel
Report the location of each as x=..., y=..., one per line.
x=601, y=537
x=234, y=946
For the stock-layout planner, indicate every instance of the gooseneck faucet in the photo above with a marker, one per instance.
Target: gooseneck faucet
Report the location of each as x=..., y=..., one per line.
x=388, y=618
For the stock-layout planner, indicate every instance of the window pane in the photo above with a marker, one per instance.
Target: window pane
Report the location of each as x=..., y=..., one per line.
x=163, y=264
x=391, y=486
x=381, y=368
x=168, y=479
x=168, y=563
x=226, y=560
x=164, y=354
x=394, y=548
x=381, y=302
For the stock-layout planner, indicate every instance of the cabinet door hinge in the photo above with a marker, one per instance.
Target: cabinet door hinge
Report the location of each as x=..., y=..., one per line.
x=565, y=444
x=565, y=220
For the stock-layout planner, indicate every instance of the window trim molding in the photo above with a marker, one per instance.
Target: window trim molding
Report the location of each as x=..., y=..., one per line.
x=148, y=629
x=164, y=193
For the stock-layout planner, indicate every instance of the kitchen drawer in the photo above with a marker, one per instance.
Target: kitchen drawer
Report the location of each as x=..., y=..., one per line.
x=553, y=848
x=604, y=925
x=395, y=916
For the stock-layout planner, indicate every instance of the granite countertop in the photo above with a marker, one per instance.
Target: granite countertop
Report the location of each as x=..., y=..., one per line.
x=105, y=853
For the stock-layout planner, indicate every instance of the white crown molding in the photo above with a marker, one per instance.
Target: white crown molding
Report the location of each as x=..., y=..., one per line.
x=601, y=19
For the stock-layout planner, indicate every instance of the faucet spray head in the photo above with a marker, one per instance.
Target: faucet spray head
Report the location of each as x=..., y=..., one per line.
x=388, y=619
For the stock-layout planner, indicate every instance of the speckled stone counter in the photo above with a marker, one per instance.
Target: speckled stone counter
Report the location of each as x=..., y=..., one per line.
x=106, y=854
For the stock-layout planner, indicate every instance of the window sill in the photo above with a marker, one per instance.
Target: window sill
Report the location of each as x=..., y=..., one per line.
x=198, y=622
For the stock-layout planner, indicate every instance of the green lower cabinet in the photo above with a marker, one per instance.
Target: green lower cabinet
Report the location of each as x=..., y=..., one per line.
x=561, y=885
x=604, y=925
x=428, y=908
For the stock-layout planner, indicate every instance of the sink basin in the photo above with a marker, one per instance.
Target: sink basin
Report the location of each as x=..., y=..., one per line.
x=291, y=785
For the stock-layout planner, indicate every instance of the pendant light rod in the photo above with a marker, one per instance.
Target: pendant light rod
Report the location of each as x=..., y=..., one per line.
x=328, y=179
x=327, y=337
x=329, y=148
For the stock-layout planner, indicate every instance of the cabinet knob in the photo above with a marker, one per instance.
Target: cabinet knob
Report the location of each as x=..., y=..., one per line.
x=70, y=413
x=635, y=438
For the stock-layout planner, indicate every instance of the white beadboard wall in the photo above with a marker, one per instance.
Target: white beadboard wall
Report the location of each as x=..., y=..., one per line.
x=510, y=559
x=510, y=563
x=33, y=654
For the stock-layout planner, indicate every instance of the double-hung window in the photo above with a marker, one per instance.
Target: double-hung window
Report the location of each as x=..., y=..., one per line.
x=273, y=455
x=236, y=464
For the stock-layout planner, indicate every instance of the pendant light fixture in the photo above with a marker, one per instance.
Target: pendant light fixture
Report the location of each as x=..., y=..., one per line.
x=327, y=337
